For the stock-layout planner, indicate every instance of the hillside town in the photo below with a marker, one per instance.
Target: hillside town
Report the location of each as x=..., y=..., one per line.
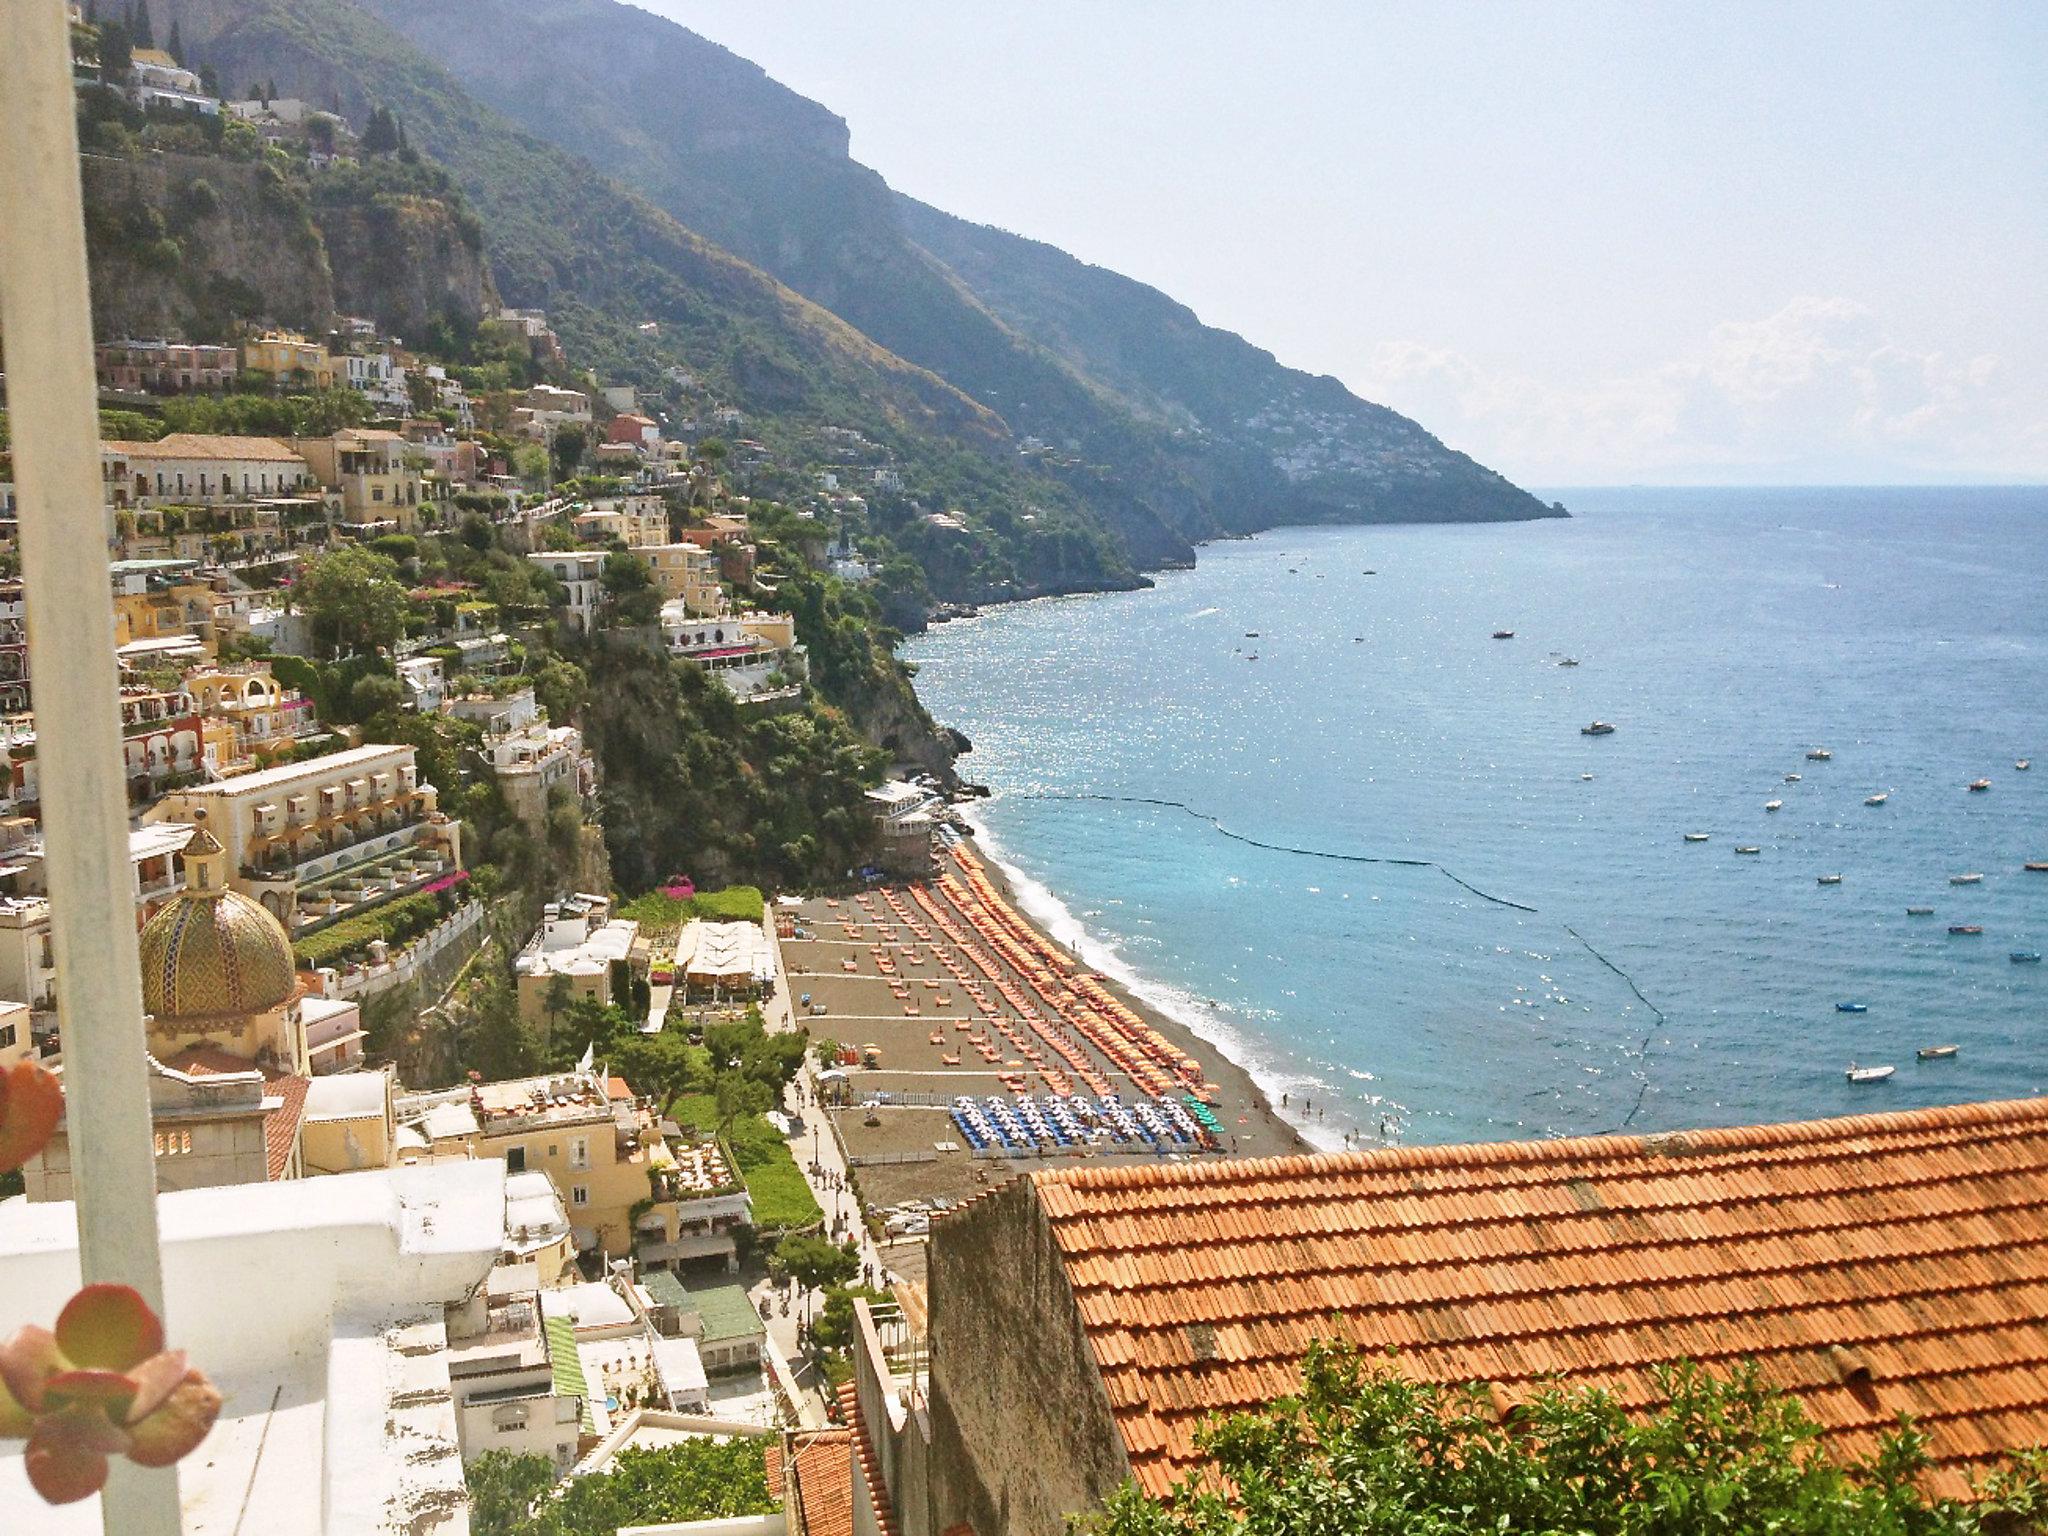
x=587, y=1056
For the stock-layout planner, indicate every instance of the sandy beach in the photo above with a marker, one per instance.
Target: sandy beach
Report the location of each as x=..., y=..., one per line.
x=881, y=971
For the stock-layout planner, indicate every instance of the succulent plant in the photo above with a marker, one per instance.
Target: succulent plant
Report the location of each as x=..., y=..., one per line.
x=31, y=1101
x=101, y=1384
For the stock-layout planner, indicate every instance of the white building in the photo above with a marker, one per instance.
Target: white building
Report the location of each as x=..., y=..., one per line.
x=339, y=1415
x=155, y=79
x=425, y=682
x=578, y=940
x=753, y=655
x=379, y=379
x=534, y=761
x=511, y=1393
x=581, y=572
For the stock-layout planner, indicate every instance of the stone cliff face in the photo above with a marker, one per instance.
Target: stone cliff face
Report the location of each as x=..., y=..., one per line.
x=407, y=262
x=188, y=245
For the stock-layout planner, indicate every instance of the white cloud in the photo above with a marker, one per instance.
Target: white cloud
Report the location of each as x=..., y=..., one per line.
x=1818, y=391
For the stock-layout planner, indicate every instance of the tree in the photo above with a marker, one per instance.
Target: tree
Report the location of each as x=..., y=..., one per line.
x=560, y=688
x=174, y=45
x=814, y=1263
x=380, y=134
x=117, y=52
x=696, y=1480
x=555, y=1001
x=375, y=694
x=737, y=1097
x=1366, y=1452
x=142, y=27
x=354, y=599
x=631, y=597
x=664, y=1067
x=570, y=445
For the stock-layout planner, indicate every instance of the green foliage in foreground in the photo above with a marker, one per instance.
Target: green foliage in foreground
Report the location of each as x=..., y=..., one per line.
x=1363, y=1451
x=696, y=1480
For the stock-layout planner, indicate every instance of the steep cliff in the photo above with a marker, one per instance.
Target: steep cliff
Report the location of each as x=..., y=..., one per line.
x=403, y=248
x=191, y=244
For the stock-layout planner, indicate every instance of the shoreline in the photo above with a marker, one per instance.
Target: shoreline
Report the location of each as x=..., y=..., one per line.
x=1049, y=914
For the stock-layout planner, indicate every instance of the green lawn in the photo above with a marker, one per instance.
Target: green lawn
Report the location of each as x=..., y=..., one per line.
x=782, y=1200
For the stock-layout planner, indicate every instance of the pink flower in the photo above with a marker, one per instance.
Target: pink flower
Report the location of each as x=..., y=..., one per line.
x=101, y=1385
x=31, y=1100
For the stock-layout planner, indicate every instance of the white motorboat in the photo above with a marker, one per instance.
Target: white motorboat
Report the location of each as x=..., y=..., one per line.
x=1877, y=799
x=1969, y=879
x=1819, y=755
x=1857, y=1074
x=1697, y=837
x=1791, y=778
x=1829, y=879
x=1774, y=805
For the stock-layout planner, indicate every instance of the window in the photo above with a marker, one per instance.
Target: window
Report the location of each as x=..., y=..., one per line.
x=553, y=1149
x=7, y=1035
x=579, y=1194
x=579, y=1152
x=515, y=1159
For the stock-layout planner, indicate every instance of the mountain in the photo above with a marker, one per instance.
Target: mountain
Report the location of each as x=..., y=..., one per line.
x=635, y=294
x=1193, y=426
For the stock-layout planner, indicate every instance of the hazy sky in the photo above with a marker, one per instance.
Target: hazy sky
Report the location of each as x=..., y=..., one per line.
x=1585, y=242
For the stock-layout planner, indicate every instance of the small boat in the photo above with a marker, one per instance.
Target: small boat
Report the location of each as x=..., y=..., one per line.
x=1369, y=573
x=1569, y=661
x=1972, y=879
x=1919, y=911
x=2037, y=866
x=1774, y=805
x=1597, y=728
x=1819, y=755
x=1791, y=778
x=1585, y=778
x=2021, y=765
x=1251, y=634
x=1697, y=837
x=1749, y=848
x=1936, y=1052
x=2025, y=957
x=1829, y=879
x=1857, y=1074
x=1852, y=1007
x=1503, y=634
x=1876, y=799
x=1965, y=929
x=1978, y=786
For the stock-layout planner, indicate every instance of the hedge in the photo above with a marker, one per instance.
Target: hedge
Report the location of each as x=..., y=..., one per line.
x=395, y=923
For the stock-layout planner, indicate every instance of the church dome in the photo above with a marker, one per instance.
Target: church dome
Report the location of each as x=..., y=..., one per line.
x=212, y=952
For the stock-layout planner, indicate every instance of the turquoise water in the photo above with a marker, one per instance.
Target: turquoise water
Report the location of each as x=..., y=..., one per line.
x=1636, y=980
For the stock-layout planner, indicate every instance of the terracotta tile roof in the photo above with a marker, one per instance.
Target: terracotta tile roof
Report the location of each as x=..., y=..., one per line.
x=281, y=1125
x=208, y=1061
x=824, y=1484
x=1913, y=1243
x=206, y=445
x=870, y=1467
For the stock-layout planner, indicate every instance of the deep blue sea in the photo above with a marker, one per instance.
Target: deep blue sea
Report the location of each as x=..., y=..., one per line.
x=1637, y=980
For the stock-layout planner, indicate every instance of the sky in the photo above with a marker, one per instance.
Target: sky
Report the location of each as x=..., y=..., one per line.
x=1587, y=243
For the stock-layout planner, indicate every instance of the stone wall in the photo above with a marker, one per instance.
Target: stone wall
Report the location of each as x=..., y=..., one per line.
x=1022, y=1434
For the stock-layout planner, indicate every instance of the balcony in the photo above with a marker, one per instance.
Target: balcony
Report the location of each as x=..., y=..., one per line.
x=316, y=861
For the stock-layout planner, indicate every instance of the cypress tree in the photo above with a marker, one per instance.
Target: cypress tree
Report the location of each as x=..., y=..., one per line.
x=176, y=46
x=143, y=29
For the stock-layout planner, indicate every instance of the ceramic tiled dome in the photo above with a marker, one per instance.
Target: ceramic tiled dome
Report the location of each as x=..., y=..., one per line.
x=212, y=952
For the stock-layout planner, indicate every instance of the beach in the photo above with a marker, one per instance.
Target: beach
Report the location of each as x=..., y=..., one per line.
x=950, y=990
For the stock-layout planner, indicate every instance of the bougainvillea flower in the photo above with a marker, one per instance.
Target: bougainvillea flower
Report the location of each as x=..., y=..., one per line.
x=31, y=1100
x=100, y=1385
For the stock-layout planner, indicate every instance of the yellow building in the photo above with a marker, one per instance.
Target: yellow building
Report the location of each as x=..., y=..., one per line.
x=160, y=600
x=603, y=1151
x=375, y=473
x=686, y=573
x=288, y=356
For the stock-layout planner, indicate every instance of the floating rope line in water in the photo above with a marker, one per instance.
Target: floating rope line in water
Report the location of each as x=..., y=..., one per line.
x=1307, y=853
x=1642, y=1051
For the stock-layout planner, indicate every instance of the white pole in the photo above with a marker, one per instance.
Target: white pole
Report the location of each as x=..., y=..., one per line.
x=53, y=411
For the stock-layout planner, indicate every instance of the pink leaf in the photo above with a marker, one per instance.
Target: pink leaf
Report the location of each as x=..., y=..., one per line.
x=31, y=1103
x=177, y=1425
x=27, y=1361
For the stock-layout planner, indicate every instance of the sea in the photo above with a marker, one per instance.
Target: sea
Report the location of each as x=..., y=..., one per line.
x=1303, y=799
